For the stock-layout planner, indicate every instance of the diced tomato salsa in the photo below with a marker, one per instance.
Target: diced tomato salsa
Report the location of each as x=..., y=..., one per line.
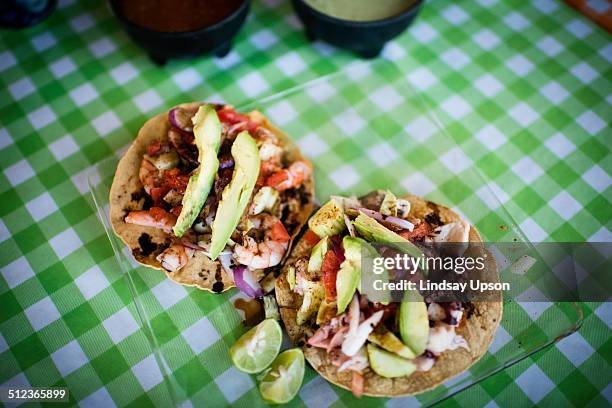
x=158, y=193
x=419, y=232
x=329, y=271
x=158, y=213
x=276, y=180
x=177, y=210
x=230, y=116
x=175, y=180
x=154, y=148
x=279, y=232
x=311, y=238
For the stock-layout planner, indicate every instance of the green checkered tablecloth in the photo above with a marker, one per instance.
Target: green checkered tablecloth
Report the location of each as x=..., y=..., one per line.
x=524, y=89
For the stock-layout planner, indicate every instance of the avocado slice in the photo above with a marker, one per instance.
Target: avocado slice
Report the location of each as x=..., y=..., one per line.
x=414, y=322
x=387, y=364
x=316, y=255
x=389, y=204
x=349, y=275
x=373, y=231
x=329, y=220
x=314, y=294
x=207, y=132
x=237, y=193
x=346, y=284
x=389, y=341
x=291, y=277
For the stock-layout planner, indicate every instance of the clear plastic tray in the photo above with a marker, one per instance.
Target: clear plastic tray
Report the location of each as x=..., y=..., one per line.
x=363, y=128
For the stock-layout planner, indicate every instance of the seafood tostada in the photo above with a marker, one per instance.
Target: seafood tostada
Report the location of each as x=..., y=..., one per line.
x=212, y=196
x=386, y=348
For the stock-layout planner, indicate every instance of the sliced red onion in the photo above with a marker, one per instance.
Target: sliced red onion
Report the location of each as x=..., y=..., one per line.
x=370, y=213
x=226, y=162
x=225, y=257
x=349, y=226
x=338, y=251
x=236, y=126
x=191, y=245
x=181, y=119
x=246, y=282
x=401, y=223
x=404, y=224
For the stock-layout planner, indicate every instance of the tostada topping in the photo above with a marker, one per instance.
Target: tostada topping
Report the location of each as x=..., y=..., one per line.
x=224, y=185
x=394, y=339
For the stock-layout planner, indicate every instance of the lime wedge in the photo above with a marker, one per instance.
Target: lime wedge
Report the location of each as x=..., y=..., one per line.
x=258, y=347
x=284, y=379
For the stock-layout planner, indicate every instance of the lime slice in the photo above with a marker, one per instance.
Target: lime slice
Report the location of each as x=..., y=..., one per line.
x=258, y=347
x=284, y=379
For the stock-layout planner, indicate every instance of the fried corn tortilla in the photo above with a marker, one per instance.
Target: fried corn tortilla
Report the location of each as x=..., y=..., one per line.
x=127, y=194
x=478, y=330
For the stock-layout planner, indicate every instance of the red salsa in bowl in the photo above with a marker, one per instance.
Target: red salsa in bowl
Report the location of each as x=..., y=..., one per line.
x=176, y=16
x=169, y=29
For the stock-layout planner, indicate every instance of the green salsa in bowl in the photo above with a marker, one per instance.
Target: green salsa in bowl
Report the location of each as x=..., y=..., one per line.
x=361, y=26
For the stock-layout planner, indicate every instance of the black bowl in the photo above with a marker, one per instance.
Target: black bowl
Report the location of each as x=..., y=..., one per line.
x=162, y=46
x=366, y=38
x=16, y=14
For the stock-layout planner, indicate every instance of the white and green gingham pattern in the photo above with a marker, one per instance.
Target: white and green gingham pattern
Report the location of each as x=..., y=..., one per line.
x=525, y=91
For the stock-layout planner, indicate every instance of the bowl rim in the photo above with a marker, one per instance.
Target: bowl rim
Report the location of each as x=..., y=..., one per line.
x=178, y=34
x=362, y=24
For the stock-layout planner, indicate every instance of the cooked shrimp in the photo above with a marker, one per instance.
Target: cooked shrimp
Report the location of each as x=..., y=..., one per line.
x=271, y=153
x=265, y=169
x=148, y=175
x=265, y=135
x=175, y=257
x=260, y=255
x=155, y=217
x=291, y=177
